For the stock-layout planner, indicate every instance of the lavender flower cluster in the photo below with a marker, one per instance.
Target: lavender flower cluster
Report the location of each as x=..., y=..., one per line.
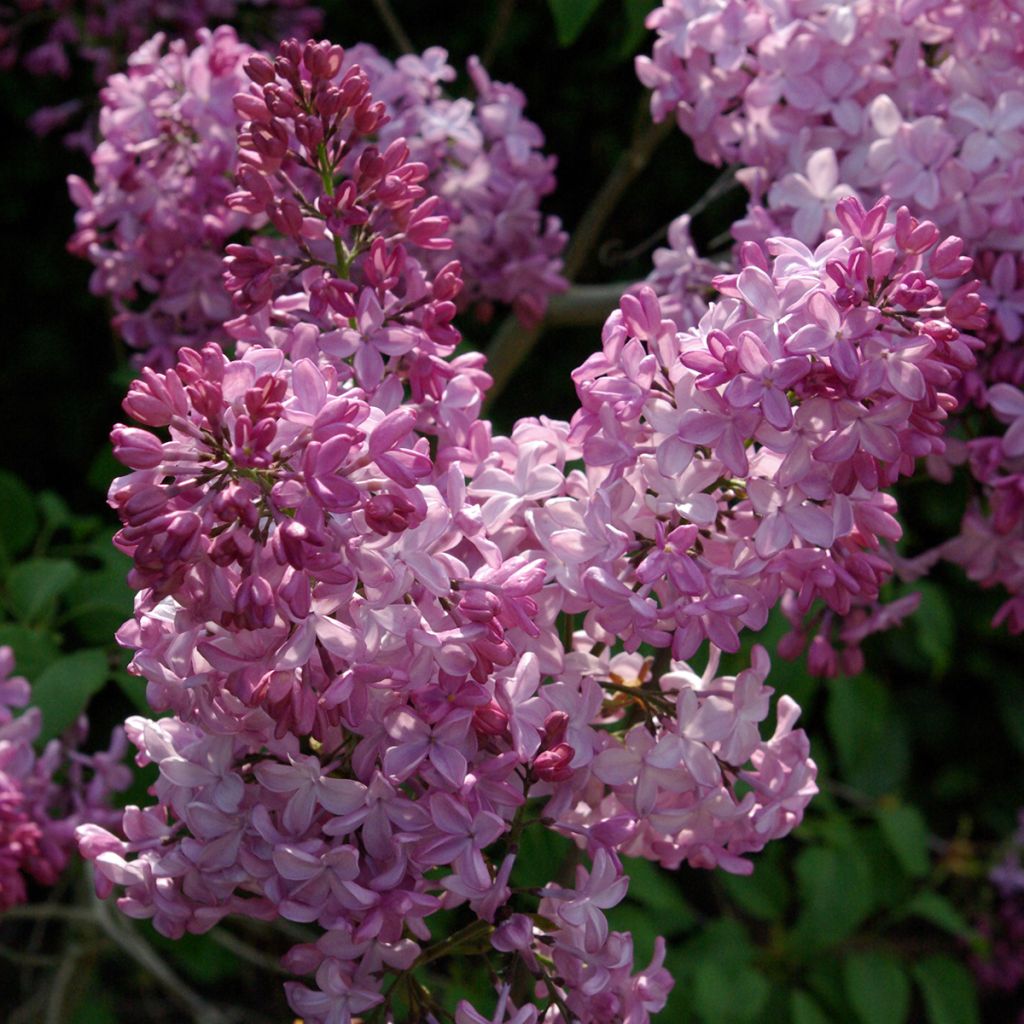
x=157, y=219
x=922, y=101
x=55, y=38
x=387, y=641
x=45, y=797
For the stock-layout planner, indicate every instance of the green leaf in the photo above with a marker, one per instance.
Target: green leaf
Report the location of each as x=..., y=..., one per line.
x=939, y=911
x=96, y=1007
x=33, y=649
x=541, y=851
x=571, y=17
x=835, y=895
x=63, y=689
x=18, y=519
x=724, y=995
x=906, y=833
x=55, y=510
x=658, y=893
x=100, y=602
x=764, y=894
x=870, y=739
x=948, y=991
x=935, y=626
x=805, y=1010
x=34, y=586
x=877, y=987
x=1010, y=697
x=636, y=12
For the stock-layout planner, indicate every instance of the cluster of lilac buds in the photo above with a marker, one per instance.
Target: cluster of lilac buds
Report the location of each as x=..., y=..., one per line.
x=40, y=811
x=387, y=641
x=156, y=222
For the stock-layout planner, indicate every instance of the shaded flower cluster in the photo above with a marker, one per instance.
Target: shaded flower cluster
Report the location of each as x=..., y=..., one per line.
x=1001, y=969
x=62, y=38
x=45, y=797
x=388, y=641
x=157, y=220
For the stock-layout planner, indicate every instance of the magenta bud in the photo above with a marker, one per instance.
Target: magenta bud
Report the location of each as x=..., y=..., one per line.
x=555, y=726
x=553, y=765
x=490, y=720
x=260, y=69
x=137, y=449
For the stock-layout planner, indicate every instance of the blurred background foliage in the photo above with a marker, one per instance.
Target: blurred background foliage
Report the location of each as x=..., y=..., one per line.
x=867, y=914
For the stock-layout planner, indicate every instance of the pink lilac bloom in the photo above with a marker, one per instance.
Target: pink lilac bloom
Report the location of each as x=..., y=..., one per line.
x=1000, y=968
x=766, y=438
x=924, y=102
x=39, y=814
x=156, y=219
x=59, y=38
x=154, y=223
x=352, y=598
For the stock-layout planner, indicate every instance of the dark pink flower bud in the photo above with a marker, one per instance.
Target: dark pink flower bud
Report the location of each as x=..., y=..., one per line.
x=448, y=282
x=947, y=261
x=490, y=720
x=555, y=726
x=260, y=69
x=479, y=605
x=254, y=603
x=322, y=60
x=821, y=658
x=554, y=764
x=427, y=230
x=251, y=108
x=913, y=236
x=286, y=216
x=391, y=513
x=296, y=595
x=137, y=449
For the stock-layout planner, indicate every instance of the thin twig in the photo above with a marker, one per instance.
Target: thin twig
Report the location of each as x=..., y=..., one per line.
x=59, y=986
x=394, y=26
x=584, y=305
x=613, y=254
x=499, y=29
x=35, y=911
x=30, y=960
x=512, y=343
x=143, y=954
x=647, y=136
x=240, y=948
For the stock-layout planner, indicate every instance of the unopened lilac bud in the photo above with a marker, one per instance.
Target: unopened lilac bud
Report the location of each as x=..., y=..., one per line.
x=554, y=765
x=555, y=726
x=260, y=69
x=137, y=449
x=490, y=720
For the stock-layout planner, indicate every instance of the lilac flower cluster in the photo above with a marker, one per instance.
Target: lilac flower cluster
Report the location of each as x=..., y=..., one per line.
x=156, y=223
x=922, y=101
x=388, y=641
x=1002, y=968
x=45, y=797
x=54, y=38
x=773, y=429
